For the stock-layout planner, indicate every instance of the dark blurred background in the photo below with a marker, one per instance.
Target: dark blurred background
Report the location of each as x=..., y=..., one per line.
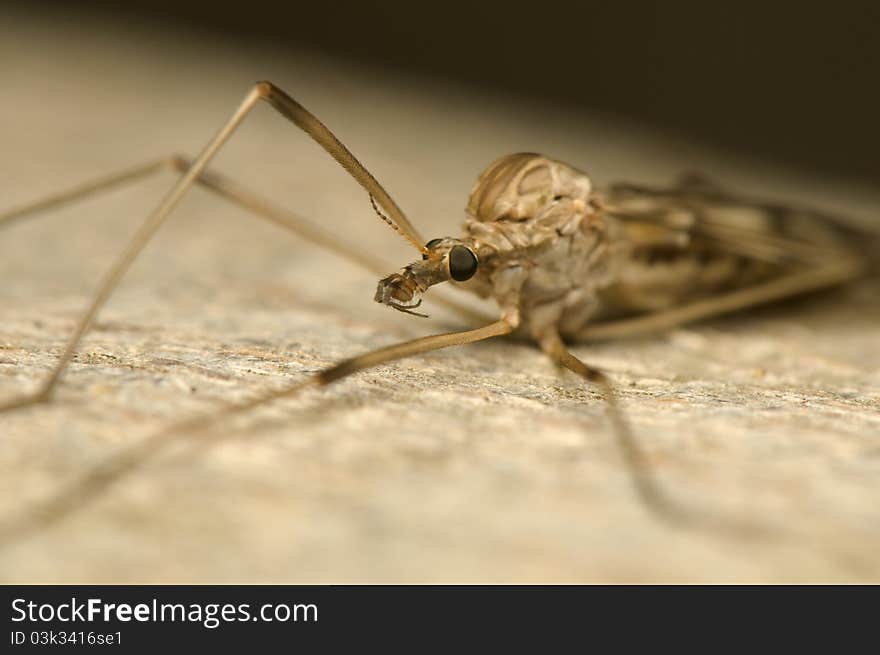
x=791, y=82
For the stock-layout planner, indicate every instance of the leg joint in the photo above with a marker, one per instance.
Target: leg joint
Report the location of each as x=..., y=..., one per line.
x=265, y=89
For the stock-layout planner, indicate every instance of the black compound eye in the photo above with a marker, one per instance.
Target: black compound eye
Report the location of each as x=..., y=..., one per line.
x=462, y=263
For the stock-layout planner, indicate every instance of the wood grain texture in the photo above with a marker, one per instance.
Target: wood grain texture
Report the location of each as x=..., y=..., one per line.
x=480, y=464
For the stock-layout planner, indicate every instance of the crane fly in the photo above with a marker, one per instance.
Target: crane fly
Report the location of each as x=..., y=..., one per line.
x=563, y=260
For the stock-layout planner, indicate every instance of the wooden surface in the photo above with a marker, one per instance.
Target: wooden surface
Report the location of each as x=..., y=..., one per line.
x=479, y=464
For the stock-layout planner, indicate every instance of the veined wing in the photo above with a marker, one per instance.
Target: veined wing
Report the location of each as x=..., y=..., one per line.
x=694, y=244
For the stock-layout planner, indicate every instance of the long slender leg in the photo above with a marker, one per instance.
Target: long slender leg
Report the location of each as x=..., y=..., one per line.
x=648, y=489
x=645, y=484
x=55, y=200
x=290, y=109
x=821, y=277
x=73, y=497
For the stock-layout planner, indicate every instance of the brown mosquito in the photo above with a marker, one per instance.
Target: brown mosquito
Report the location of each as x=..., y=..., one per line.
x=563, y=261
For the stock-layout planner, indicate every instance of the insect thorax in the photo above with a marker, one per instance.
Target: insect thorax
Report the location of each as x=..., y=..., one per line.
x=541, y=240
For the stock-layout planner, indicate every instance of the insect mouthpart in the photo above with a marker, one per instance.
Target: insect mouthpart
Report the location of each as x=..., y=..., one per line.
x=400, y=291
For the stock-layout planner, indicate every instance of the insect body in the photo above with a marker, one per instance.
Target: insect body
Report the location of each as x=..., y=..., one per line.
x=562, y=260
x=556, y=254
